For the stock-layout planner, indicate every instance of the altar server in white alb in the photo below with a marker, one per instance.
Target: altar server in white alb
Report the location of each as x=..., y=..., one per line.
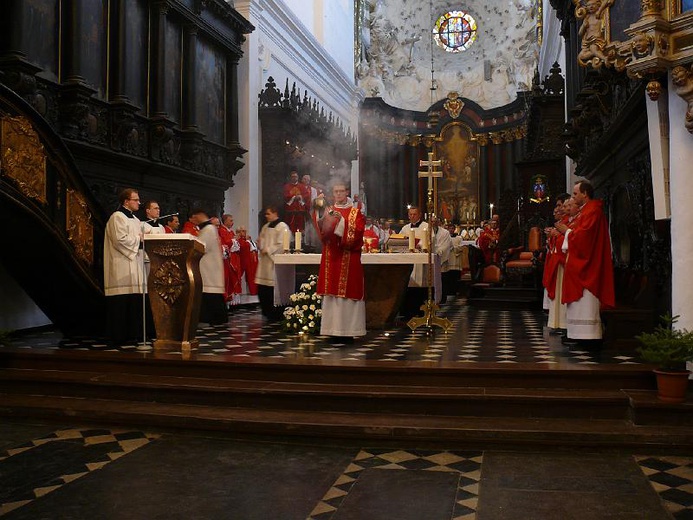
x=269, y=243
x=213, y=306
x=123, y=271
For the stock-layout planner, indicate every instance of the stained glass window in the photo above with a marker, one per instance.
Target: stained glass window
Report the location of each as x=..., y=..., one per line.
x=455, y=31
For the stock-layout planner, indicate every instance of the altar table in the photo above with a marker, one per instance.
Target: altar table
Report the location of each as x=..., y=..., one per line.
x=386, y=278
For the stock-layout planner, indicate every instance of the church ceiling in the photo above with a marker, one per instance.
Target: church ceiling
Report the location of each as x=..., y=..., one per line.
x=396, y=52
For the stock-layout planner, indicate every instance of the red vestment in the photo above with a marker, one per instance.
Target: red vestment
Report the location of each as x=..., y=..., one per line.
x=168, y=229
x=371, y=233
x=191, y=228
x=554, y=257
x=341, y=272
x=249, y=260
x=488, y=243
x=232, y=263
x=588, y=263
x=296, y=204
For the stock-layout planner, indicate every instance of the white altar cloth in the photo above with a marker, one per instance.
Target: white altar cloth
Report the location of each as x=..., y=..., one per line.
x=285, y=270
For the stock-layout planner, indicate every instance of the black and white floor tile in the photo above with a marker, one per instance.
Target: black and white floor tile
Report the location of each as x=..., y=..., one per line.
x=477, y=335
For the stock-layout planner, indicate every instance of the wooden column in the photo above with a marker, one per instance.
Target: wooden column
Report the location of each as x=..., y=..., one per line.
x=118, y=57
x=189, y=79
x=71, y=66
x=231, y=130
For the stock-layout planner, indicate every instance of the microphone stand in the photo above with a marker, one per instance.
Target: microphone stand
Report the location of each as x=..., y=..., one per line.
x=144, y=345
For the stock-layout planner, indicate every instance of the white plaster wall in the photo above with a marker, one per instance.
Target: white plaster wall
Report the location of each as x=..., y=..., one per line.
x=331, y=22
x=681, y=158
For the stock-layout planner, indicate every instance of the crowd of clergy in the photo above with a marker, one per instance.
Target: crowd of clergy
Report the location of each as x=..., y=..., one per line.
x=578, y=271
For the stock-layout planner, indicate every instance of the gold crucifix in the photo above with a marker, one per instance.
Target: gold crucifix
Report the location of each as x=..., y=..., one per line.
x=429, y=319
x=431, y=173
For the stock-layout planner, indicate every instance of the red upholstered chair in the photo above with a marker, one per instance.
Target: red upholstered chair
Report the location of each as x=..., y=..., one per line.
x=520, y=264
x=492, y=274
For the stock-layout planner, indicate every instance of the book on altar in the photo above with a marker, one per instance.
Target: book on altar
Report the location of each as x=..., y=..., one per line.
x=397, y=243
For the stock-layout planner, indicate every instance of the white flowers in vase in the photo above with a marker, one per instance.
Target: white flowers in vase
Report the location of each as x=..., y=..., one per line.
x=304, y=314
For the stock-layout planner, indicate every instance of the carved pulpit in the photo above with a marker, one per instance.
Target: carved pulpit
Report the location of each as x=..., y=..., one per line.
x=175, y=288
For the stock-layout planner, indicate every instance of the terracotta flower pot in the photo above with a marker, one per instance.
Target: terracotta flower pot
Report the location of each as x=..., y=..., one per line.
x=672, y=385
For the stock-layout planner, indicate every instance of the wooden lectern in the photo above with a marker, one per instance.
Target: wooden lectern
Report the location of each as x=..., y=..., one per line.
x=175, y=288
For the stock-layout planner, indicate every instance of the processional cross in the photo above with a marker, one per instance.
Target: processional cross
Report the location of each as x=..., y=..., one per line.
x=429, y=319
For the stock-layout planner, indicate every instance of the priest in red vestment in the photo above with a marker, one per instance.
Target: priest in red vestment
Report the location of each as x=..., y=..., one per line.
x=341, y=281
x=248, y=255
x=190, y=227
x=588, y=282
x=232, y=261
x=488, y=242
x=296, y=202
x=554, y=266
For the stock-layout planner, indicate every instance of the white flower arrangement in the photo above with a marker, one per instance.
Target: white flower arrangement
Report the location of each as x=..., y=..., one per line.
x=304, y=314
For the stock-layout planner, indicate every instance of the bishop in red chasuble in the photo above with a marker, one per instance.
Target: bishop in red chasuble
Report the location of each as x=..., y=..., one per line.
x=341, y=281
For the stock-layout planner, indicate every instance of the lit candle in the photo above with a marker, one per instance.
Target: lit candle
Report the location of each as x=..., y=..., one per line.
x=424, y=241
x=297, y=241
x=285, y=240
x=491, y=206
x=412, y=239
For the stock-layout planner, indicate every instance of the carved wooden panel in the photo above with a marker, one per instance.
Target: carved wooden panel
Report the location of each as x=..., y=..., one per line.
x=211, y=92
x=173, y=70
x=79, y=226
x=39, y=17
x=91, y=42
x=136, y=42
x=23, y=157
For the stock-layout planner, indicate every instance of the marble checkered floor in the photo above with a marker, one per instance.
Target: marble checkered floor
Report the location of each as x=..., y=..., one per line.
x=477, y=335
x=81, y=472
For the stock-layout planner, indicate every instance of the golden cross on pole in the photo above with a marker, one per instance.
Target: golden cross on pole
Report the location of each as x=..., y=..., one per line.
x=429, y=319
x=431, y=172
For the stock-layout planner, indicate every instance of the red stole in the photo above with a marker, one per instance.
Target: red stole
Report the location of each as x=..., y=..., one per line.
x=588, y=264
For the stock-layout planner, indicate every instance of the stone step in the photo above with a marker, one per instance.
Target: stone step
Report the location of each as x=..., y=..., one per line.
x=460, y=401
x=443, y=431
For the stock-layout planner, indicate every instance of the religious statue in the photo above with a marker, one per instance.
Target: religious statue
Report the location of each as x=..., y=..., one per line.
x=592, y=31
x=682, y=78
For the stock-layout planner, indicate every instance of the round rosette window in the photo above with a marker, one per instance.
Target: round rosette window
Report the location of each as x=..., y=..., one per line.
x=455, y=31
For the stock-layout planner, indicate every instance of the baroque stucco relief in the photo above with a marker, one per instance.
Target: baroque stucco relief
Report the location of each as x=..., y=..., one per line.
x=396, y=45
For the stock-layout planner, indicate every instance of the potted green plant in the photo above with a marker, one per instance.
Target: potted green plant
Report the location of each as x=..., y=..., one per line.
x=669, y=349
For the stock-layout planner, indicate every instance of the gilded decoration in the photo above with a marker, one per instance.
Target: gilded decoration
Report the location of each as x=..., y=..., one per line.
x=169, y=281
x=79, y=226
x=454, y=105
x=682, y=79
x=23, y=157
x=169, y=249
x=594, y=31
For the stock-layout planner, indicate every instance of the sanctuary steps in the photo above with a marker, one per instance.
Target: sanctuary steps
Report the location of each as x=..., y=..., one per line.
x=484, y=405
